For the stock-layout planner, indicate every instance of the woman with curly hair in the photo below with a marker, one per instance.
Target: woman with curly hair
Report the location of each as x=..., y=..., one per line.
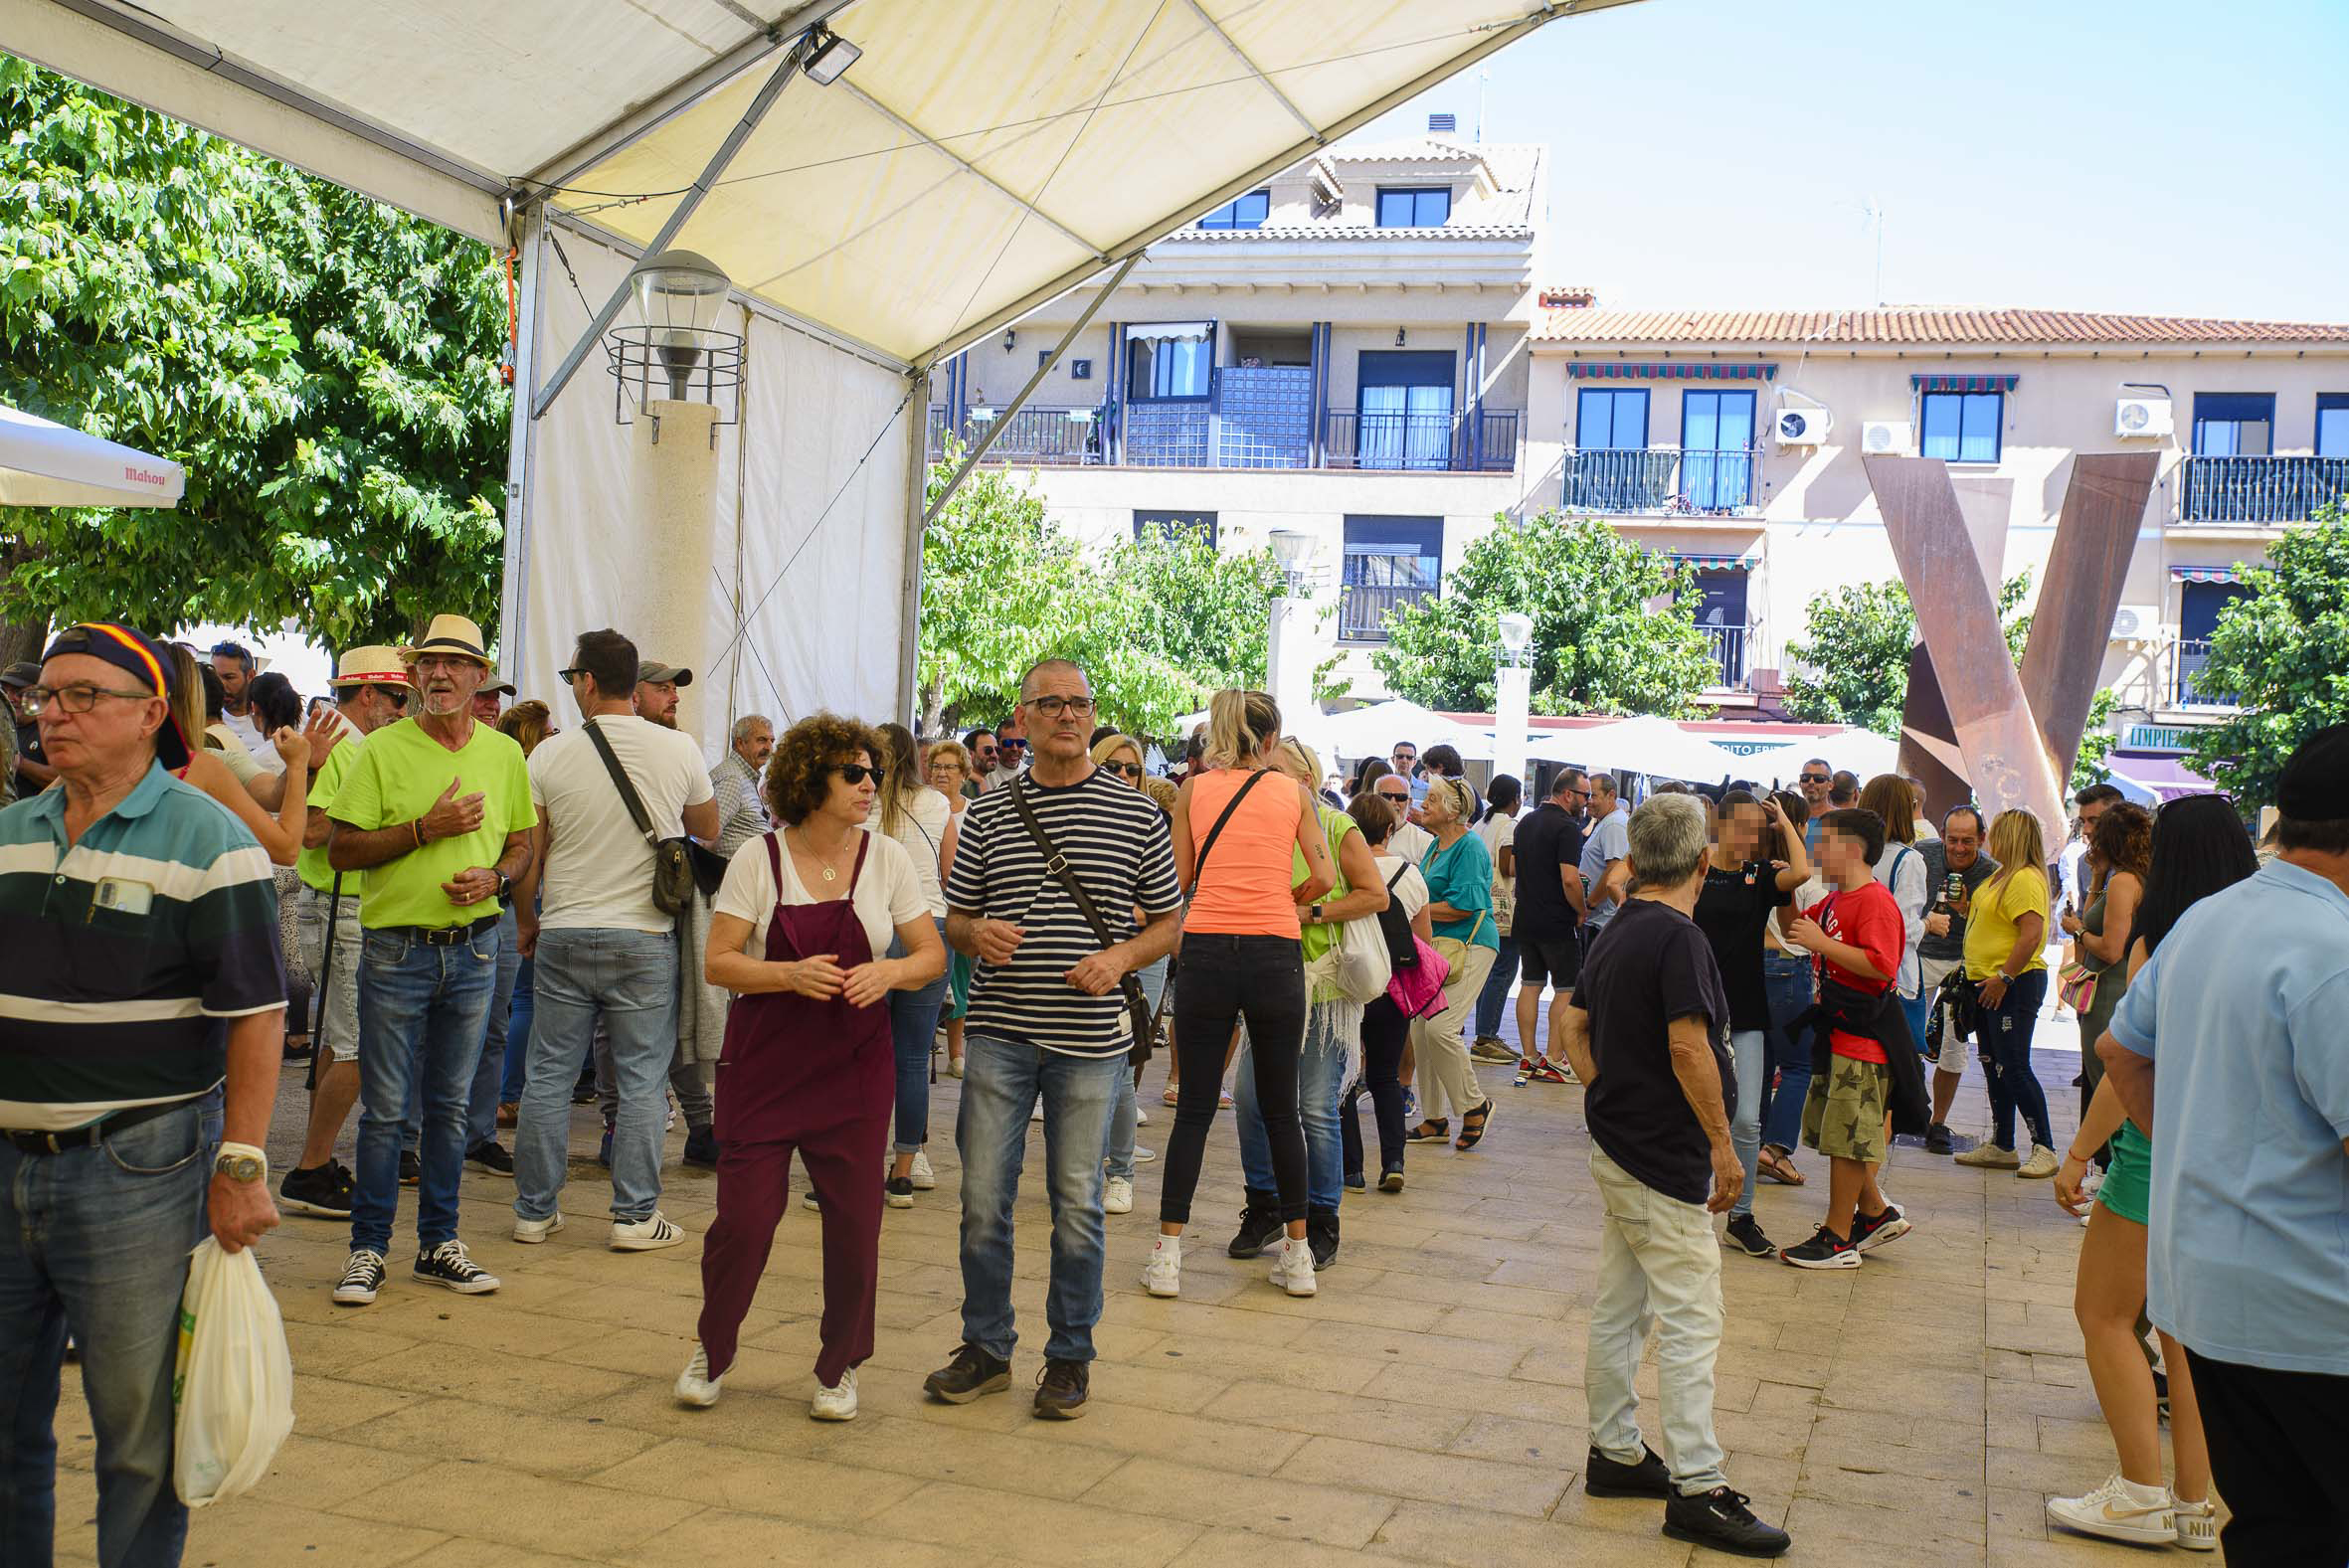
x=2121, y=855
x=797, y=934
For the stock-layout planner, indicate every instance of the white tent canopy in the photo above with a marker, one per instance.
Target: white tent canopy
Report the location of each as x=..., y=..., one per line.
x=1658, y=747
x=43, y=463
x=1375, y=729
x=1863, y=752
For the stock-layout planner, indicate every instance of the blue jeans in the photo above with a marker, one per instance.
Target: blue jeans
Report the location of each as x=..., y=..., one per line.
x=913, y=1028
x=2005, y=1035
x=97, y=1240
x=1001, y=1082
x=421, y=1008
x=1321, y=1075
x=1122, y=1117
x=518, y=1032
x=1499, y=986
x=1787, y=983
x=489, y=1075
x=629, y=979
x=1752, y=1050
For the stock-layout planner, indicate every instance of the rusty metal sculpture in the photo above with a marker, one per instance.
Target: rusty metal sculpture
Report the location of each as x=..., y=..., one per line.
x=1973, y=718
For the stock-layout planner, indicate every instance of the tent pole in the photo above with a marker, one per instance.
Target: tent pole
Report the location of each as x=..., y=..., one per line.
x=686, y=206
x=521, y=439
x=909, y=617
x=1002, y=420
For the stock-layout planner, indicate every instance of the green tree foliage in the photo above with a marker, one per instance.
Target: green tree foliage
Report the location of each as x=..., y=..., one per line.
x=1601, y=643
x=1158, y=623
x=324, y=366
x=2283, y=654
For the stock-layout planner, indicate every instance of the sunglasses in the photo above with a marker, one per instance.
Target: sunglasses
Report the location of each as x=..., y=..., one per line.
x=1129, y=770
x=1012, y=746
x=1816, y=778
x=1394, y=795
x=858, y=773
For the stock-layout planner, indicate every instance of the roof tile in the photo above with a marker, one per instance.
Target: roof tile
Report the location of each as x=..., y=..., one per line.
x=1919, y=324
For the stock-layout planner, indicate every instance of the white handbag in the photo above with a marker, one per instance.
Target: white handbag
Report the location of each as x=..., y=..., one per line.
x=1362, y=965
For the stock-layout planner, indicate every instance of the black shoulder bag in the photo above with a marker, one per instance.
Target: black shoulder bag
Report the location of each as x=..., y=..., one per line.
x=1402, y=944
x=680, y=867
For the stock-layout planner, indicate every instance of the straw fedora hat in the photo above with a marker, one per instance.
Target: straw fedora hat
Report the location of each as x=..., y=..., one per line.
x=450, y=634
x=373, y=665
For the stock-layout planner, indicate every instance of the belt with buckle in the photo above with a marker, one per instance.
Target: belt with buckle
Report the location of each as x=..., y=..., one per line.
x=447, y=935
x=87, y=1136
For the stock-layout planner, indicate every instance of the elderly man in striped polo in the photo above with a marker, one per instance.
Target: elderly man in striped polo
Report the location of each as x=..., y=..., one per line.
x=141, y=930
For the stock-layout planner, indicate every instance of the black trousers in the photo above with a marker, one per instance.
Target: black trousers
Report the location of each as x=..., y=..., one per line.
x=1385, y=1032
x=1225, y=980
x=2279, y=1452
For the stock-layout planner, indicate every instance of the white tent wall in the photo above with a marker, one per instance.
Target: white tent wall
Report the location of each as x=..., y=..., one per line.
x=820, y=587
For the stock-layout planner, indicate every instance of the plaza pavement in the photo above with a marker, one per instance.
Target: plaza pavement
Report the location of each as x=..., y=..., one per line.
x=1427, y=1406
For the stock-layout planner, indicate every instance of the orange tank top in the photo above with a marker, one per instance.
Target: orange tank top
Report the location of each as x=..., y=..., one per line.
x=1245, y=892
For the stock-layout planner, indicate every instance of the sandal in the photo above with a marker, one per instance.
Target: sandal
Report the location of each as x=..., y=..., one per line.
x=1429, y=1131
x=1171, y=1096
x=1773, y=1163
x=1471, y=1136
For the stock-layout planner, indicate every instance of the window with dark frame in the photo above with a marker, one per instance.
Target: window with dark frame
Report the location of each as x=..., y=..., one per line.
x=1166, y=369
x=1963, y=426
x=1241, y=212
x=1414, y=205
x=1169, y=525
x=1389, y=562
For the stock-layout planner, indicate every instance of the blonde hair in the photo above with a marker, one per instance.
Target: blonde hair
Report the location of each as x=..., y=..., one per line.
x=1300, y=763
x=1239, y=725
x=187, y=697
x=2018, y=843
x=952, y=749
x=1110, y=745
x=1893, y=798
x=526, y=724
x=1457, y=792
x=901, y=779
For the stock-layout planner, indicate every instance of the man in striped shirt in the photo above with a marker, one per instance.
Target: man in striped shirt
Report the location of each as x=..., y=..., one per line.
x=1046, y=1017
x=143, y=970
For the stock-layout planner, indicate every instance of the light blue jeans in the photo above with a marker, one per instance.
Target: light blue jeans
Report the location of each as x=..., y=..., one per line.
x=1752, y=1048
x=913, y=1029
x=1321, y=1081
x=1659, y=1267
x=1500, y=988
x=421, y=1007
x=630, y=977
x=1001, y=1082
x=1123, y=1119
x=97, y=1240
x=489, y=1075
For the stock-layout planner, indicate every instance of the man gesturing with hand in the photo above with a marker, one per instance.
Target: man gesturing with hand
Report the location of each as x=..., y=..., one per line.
x=437, y=811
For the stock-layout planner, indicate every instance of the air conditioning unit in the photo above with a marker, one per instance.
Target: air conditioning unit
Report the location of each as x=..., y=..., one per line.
x=1804, y=427
x=1884, y=437
x=2136, y=624
x=2146, y=417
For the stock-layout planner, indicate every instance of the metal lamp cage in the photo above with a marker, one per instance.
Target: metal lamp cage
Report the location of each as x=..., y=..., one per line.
x=681, y=364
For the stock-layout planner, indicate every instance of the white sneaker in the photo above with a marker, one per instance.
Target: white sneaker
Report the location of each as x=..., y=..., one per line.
x=532, y=1232
x=2197, y=1525
x=1292, y=1266
x=696, y=1386
x=1163, y=1274
x=1117, y=1196
x=1143, y=1156
x=837, y=1403
x=924, y=1178
x=808, y=1202
x=2119, y=1511
x=1140, y=1117
x=954, y=1067
x=652, y=1231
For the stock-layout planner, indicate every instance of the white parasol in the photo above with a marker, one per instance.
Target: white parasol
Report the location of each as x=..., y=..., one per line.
x=43, y=463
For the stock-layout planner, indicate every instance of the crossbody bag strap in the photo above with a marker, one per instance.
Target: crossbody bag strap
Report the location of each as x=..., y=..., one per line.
x=1215, y=828
x=627, y=790
x=1056, y=866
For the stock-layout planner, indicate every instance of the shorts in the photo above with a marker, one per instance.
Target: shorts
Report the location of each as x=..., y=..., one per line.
x=2128, y=1185
x=1557, y=959
x=1844, y=1116
x=335, y=997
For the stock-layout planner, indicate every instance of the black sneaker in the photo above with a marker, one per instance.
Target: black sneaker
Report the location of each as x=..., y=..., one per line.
x=362, y=1277
x=1745, y=1234
x=898, y=1192
x=1606, y=1478
x=490, y=1156
x=1720, y=1519
x=411, y=1169
x=1260, y=1226
x=1825, y=1250
x=583, y=1092
x=603, y=1149
x=315, y=1191
x=1871, y=1231
x=447, y=1265
x=1321, y=1234
x=1940, y=1141
x=1356, y=1183
x=1391, y=1179
x=1061, y=1390
x=701, y=1148
x=971, y=1373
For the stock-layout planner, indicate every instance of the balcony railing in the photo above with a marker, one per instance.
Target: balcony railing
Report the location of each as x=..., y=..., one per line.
x=1664, y=480
x=1729, y=653
x=1036, y=435
x=2187, y=658
x=1468, y=443
x=1362, y=608
x=2262, y=491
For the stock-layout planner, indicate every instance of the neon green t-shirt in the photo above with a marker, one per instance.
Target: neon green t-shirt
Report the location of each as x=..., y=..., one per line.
x=313, y=864
x=1336, y=824
x=397, y=779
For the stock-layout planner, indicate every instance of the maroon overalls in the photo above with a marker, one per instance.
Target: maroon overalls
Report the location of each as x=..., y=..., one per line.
x=817, y=1077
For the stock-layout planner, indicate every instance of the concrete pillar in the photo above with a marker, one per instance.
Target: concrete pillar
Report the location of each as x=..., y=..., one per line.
x=1290, y=662
x=664, y=558
x=1513, y=709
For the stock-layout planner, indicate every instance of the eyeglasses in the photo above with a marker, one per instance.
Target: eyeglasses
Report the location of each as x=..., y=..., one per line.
x=1815, y=777
x=1055, y=707
x=80, y=697
x=1129, y=770
x=457, y=661
x=858, y=773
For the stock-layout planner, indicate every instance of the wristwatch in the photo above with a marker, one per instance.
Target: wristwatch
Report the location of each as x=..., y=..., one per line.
x=1315, y=910
x=505, y=884
x=241, y=1165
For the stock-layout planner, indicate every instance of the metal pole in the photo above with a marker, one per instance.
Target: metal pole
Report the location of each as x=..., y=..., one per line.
x=1003, y=419
x=908, y=613
x=686, y=206
x=514, y=598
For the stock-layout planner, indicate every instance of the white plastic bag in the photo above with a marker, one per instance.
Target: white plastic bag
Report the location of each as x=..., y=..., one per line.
x=233, y=1391
x=1363, y=966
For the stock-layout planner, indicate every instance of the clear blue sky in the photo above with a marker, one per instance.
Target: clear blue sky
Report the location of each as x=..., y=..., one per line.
x=2158, y=157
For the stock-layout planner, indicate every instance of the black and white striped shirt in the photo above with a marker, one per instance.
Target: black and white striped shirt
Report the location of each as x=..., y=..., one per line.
x=1114, y=839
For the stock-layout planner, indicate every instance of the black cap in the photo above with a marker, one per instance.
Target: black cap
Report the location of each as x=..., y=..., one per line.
x=147, y=662
x=24, y=672
x=2314, y=787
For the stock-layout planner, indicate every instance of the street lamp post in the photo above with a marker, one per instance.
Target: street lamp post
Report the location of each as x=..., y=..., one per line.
x=1289, y=658
x=1512, y=703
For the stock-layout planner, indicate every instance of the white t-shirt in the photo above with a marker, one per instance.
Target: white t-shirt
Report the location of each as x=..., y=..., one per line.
x=888, y=891
x=1497, y=832
x=243, y=766
x=248, y=729
x=1902, y=870
x=921, y=830
x=1412, y=890
x=1411, y=841
x=599, y=869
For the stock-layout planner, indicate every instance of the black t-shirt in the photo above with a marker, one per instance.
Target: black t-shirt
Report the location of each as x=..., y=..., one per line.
x=1653, y=967
x=1732, y=912
x=1547, y=837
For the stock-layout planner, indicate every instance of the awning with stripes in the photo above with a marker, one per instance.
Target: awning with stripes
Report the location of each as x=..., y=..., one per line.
x=1667, y=370
x=1713, y=563
x=2207, y=574
x=1963, y=383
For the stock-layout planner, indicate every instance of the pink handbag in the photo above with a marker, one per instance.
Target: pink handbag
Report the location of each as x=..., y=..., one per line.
x=1418, y=990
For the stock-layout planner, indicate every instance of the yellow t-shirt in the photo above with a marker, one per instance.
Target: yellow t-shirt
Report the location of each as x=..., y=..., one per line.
x=1998, y=910
x=396, y=777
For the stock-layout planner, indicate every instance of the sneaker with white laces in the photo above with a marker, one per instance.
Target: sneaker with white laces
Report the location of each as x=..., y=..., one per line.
x=1292, y=1266
x=1117, y=1195
x=532, y=1232
x=922, y=1177
x=649, y=1234
x=448, y=1266
x=2197, y=1525
x=1163, y=1274
x=838, y=1402
x=2120, y=1510
x=362, y=1277
x=1143, y=1156
x=696, y=1386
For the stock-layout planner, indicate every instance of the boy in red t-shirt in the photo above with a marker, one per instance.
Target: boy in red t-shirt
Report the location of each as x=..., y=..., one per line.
x=1857, y=934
